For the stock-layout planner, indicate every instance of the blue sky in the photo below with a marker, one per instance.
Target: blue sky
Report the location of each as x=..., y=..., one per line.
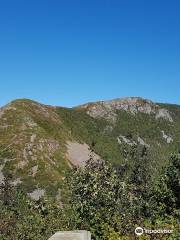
x=71, y=52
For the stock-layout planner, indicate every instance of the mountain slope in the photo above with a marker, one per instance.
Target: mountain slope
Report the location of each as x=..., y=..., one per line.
x=43, y=142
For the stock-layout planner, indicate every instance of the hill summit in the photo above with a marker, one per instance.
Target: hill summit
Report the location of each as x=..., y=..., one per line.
x=133, y=105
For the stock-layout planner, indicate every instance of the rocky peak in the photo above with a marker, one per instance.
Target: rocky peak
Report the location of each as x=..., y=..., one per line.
x=133, y=105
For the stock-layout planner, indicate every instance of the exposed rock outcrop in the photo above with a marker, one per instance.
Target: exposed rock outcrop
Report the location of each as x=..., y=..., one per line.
x=78, y=153
x=133, y=105
x=166, y=137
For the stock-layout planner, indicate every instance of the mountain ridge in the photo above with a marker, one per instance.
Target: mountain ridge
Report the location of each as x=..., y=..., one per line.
x=91, y=102
x=45, y=141
x=131, y=104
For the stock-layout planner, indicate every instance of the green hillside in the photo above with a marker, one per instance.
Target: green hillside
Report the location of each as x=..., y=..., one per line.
x=36, y=135
x=136, y=178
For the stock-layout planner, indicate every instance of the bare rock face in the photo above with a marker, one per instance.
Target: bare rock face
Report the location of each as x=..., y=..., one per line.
x=164, y=113
x=131, y=142
x=142, y=142
x=36, y=194
x=124, y=139
x=78, y=153
x=133, y=105
x=166, y=137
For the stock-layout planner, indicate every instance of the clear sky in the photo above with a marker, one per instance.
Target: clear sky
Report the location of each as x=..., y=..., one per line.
x=68, y=52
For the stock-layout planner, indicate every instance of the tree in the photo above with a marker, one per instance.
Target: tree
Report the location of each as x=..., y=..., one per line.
x=100, y=200
x=140, y=181
x=23, y=218
x=167, y=189
x=95, y=194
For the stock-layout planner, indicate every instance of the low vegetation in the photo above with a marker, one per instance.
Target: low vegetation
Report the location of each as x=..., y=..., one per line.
x=101, y=199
